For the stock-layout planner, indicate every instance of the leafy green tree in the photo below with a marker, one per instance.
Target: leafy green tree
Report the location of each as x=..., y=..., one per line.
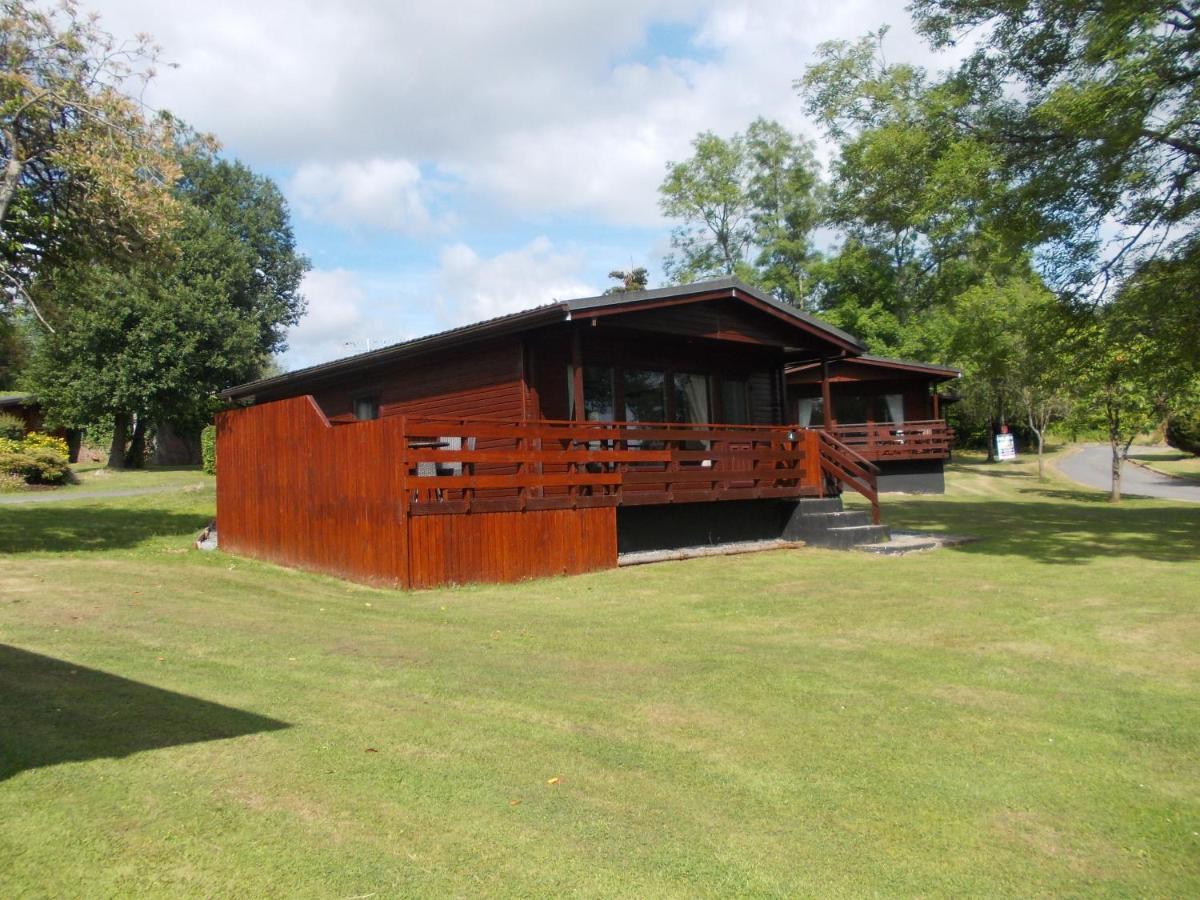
x=156, y=342
x=633, y=280
x=920, y=198
x=1009, y=339
x=85, y=172
x=1120, y=383
x=708, y=193
x=785, y=197
x=1100, y=121
x=747, y=206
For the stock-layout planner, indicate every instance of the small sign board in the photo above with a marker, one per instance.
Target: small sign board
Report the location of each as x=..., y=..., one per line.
x=1005, y=447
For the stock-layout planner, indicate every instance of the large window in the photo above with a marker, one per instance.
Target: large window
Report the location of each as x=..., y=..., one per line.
x=810, y=412
x=691, y=398
x=735, y=401
x=366, y=407
x=891, y=409
x=599, y=398
x=852, y=409
x=645, y=395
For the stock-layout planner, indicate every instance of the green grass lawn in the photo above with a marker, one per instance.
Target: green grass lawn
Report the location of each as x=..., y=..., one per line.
x=1181, y=465
x=1014, y=717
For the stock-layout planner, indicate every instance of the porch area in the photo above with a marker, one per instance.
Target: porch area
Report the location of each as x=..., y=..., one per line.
x=423, y=501
x=888, y=441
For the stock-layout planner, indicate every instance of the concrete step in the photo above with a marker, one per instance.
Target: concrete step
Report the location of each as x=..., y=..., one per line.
x=819, y=521
x=819, y=505
x=847, y=537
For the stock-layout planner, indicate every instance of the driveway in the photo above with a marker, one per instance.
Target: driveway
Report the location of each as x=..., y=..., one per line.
x=1091, y=465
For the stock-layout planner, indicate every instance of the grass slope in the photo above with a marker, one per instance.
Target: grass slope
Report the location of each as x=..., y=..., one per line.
x=1179, y=464
x=1015, y=717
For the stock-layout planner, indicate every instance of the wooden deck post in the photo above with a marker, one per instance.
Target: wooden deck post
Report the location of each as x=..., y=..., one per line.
x=827, y=396
x=937, y=406
x=577, y=374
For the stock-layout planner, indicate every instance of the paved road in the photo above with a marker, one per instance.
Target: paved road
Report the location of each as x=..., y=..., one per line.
x=1091, y=465
x=63, y=496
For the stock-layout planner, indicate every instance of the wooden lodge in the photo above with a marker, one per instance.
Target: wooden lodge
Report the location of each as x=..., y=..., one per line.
x=538, y=443
x=887, y=410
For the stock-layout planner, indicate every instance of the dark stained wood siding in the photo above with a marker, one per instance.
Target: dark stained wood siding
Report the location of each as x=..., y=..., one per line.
x=481, y=380
x=294, y=490
x=726, y=320
x=337, y=501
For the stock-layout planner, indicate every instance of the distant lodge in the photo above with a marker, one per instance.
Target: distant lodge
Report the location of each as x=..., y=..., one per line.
x=550, y=440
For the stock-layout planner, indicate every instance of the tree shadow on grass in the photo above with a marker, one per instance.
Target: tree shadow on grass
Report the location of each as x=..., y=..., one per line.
x=57, y=529
x=1060, y=525
x=54, y=712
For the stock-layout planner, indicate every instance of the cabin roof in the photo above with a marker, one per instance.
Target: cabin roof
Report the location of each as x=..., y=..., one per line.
x=9, y=399
x=548, y=314
x=939, y=373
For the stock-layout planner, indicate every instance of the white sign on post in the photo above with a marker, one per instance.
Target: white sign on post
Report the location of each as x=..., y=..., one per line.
x=1005, y=448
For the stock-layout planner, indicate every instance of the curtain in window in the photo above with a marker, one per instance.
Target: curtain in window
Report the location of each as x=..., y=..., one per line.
x=735, y=398
x=805, y=412
x=895, y=407
x=691, y=399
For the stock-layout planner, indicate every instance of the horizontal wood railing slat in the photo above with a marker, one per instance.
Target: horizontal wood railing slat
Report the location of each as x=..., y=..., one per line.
x=556, y=465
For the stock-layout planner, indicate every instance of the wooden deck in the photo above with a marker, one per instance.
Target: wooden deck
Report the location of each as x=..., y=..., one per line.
x=420, y=502
x=929, y=439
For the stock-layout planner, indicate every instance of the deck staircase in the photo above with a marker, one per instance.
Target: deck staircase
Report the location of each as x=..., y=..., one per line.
x=824, y=522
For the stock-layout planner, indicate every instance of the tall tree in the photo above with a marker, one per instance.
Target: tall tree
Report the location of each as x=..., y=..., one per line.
x=916, y=193
x=785, y=196
x=708, y=193
x=155, y=342
x=85, y=170
x=1100, y=121
x=747, y=206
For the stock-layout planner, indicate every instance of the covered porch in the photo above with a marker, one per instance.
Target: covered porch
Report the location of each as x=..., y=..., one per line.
x=886, y=410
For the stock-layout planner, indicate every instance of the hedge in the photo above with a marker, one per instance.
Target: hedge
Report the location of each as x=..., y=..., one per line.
x=208, y=449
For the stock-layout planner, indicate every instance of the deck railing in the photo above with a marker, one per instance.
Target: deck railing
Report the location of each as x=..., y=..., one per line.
x=472, y=465
x=931, y=439
x=847, y=468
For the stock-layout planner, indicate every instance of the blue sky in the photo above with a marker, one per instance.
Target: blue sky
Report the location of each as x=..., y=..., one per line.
x=449, y=162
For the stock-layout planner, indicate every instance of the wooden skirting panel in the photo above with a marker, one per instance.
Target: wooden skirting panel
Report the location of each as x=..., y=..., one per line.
x=294, y=490
x=510, y=546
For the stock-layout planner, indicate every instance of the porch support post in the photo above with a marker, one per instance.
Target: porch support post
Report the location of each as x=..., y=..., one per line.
x=826, y=396
x=937, y=405
x=577, y=373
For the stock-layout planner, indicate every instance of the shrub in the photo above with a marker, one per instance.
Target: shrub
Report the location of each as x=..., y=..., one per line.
x=11, y=427
x=10, y=483
x=37, y=459
x=1183, y=432
x=37, y=466
x=208, y=449
x=37, y=440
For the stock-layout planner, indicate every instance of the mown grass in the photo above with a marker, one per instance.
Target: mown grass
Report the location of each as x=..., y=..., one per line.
x=1014, y=717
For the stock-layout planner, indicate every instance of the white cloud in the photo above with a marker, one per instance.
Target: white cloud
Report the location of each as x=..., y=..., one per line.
x=538, y=107
x=388, y=194
x=472, y=288
x=334, y=324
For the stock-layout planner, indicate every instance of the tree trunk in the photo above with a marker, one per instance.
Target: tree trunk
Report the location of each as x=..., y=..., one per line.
x=116, y=450
x=1041, y=461
x=1115, y=496
x=12, y=174
x=135, y=457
